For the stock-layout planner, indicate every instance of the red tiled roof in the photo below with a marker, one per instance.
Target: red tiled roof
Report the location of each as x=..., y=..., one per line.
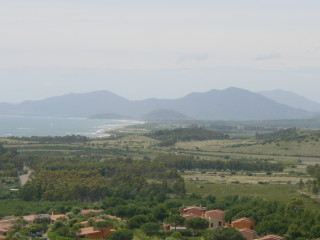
x=87, y=211
x=244, y=219
x=247, y=230
x=189, y=215
x=87, y=230
x=271, y=237
x=56, y=216
x=216, y=210
x=194, y=207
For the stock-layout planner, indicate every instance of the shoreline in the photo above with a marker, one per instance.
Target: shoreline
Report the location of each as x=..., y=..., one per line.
x=29, y=126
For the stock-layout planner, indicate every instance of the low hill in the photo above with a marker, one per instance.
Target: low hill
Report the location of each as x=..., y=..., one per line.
x=165, y=115
x=171, y=136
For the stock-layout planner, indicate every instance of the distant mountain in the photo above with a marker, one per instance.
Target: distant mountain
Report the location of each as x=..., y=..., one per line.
x=165, y=115
x=292, y=100
x=77, y=105
x=228, y=104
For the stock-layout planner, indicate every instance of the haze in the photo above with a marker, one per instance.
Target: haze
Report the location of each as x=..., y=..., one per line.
x=164, y=49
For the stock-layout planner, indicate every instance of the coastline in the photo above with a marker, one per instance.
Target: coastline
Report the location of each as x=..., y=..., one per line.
x=28, y=126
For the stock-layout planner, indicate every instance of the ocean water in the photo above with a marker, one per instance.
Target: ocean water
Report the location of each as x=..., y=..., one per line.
x=26, y=126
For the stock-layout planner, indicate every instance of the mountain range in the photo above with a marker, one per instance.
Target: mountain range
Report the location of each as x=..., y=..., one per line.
x=228, y=104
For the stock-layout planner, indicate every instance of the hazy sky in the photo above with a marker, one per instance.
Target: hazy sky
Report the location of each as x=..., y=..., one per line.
x=161, y=48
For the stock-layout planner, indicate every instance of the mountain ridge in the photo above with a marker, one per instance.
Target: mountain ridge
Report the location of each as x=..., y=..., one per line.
x=228, y=104
x=292, y=99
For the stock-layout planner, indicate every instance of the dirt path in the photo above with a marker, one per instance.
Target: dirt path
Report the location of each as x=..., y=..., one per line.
x=25, y=177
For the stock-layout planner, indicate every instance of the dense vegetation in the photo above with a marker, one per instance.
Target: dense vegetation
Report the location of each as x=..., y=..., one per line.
x=10, y=163
x=93, y=181
x=143, y=185
x=183, y=162
x=171, y=136
x=282, y=134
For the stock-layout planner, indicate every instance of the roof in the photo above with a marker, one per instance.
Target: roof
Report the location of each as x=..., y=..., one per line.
x=30, y=218
x=244, y=219
x=216, y=210
x=5, y=229
x=114, y=217
x=87, y=211
x=189, y=215
x=194, y=207
x=87, y=230
x=247, y=230
x=271, y=237
x=6, y=222
x=56, y=216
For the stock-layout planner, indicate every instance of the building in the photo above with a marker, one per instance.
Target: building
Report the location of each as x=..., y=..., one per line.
x=31, y=218
x=272, y=237
x=92, y=233
x=55, y=217
x=215, y=218
x=193, y=211
x=248, y=233
x=242, y=223
x=5, y=227
x=87, y=211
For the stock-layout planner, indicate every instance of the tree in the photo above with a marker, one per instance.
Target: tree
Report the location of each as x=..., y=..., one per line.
x=295, y=208
x=197, y=224
x=175, y=220
x=102, y=226
x=150, y=228
x=121, y=235
x=160, y=212
x=224, y=234
x=137, y=221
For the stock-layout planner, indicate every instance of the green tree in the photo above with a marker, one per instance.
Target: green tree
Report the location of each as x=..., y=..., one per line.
x=224, y=234
x=175, y=220
x=295, y=208
x=137, y=221
x=151, y=228
x=121, y=235
x=197, y=224
x=160, y=212
x=102, y=226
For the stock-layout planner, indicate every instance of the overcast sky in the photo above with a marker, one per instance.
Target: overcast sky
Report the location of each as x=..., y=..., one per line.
x=157, y=48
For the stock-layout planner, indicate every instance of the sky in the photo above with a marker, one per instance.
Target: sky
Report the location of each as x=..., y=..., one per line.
x=165, y=49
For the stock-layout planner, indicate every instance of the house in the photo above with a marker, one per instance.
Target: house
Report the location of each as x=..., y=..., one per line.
x=248, y=233
x=55, y=217
x=114, y=217
x=242, y=223
x=87, y=211
x=189, y=216
x=272, y=237
x=5, y=227
x=193, y=210
x=92, y=233
x=215, y=218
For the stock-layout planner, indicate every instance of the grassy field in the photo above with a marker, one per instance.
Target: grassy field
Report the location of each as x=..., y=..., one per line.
x=282, y=193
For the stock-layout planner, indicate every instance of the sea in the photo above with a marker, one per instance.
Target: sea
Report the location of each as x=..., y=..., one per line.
x=27, y=126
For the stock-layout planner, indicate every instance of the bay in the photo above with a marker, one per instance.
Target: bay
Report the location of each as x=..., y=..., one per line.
x=27, y=126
